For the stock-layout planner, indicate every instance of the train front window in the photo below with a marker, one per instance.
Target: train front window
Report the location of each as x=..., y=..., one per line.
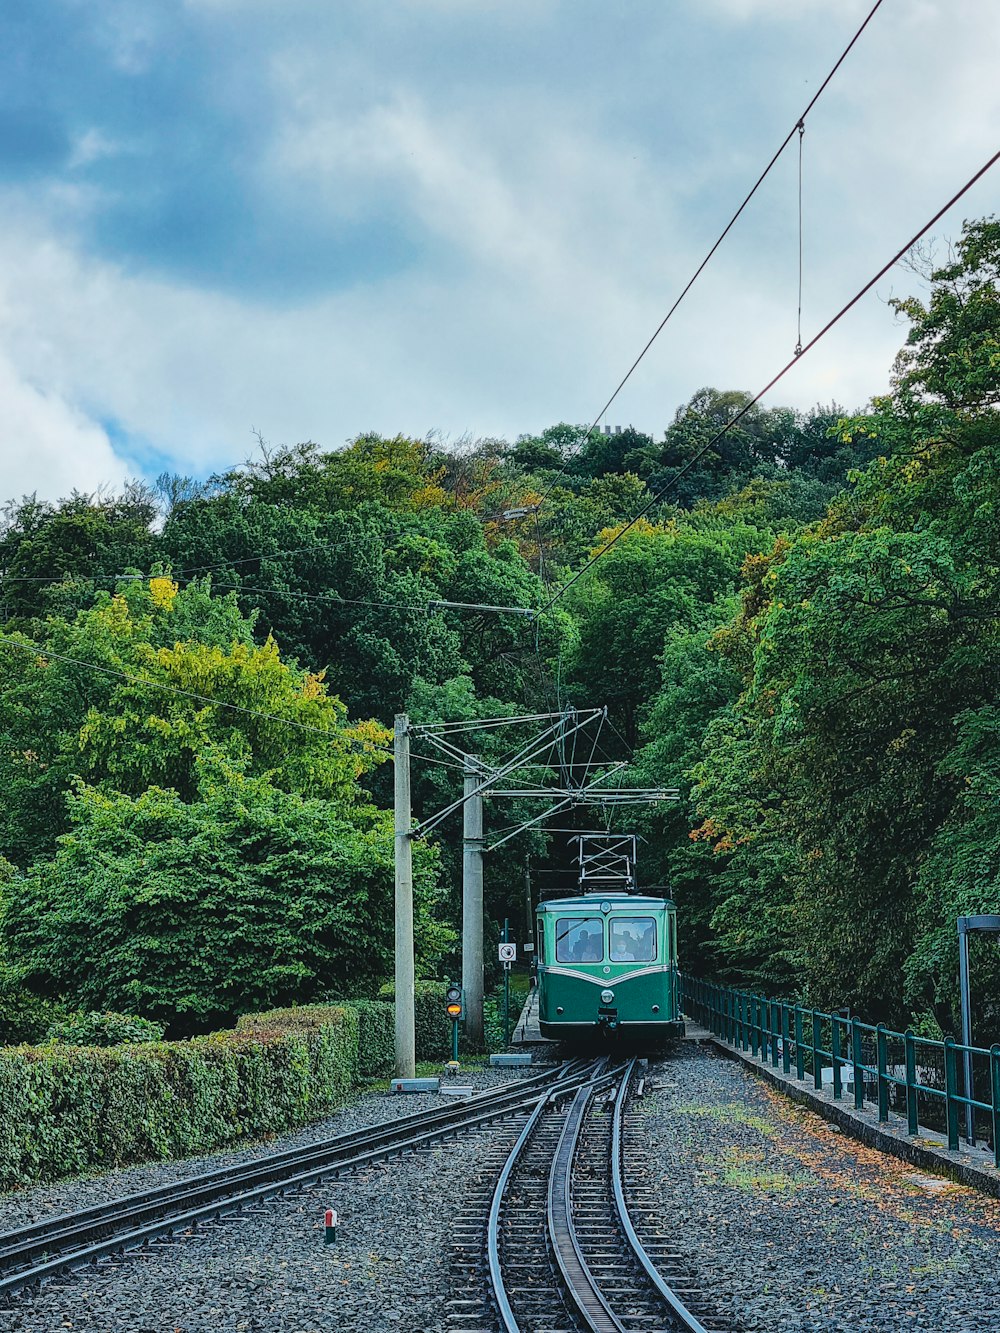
x=633, y=939
x=579, y=939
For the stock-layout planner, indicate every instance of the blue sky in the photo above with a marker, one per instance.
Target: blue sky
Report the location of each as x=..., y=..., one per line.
x=438, y=215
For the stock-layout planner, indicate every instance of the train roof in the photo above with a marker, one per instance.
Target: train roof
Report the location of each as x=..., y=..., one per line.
x=617, y=900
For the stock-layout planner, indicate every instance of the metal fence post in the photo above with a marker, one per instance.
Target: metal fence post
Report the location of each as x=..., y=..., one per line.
x=775, y=1025
x=912, y=1109
x=800, y=1054
x=950, y=1091
x=858, y=1058
x=817, y=1042
x=754, y=1026
x=882, y=1067
x=995, y=1100
x=835, y=1055
x=786, y=1049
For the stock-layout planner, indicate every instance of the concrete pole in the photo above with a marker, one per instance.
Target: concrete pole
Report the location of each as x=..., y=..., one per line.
x=472, y=905
x=405, y=1034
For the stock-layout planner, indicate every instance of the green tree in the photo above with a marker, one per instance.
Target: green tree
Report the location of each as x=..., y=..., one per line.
x=244, y=898
x=86, y=702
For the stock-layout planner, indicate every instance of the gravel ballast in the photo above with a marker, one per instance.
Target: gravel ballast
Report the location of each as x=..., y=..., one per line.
x=793, y=1226
x=789, y=1225
x=33, y=1203
x=269, y=1269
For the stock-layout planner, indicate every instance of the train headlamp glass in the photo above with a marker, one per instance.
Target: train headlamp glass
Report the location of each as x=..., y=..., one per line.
x=607, y=996
x=605, y=907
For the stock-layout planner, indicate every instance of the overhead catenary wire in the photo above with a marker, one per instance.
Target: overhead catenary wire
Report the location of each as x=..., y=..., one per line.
x=700, y=453
x=800, y=121
x=335, y=599
x=248, y=559
x=798, y=338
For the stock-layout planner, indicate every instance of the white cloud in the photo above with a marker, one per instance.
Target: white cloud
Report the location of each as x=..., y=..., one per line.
x=556, y=231
x=47, y=445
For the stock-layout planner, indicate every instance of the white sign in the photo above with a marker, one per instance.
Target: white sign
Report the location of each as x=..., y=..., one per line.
x=508, y=953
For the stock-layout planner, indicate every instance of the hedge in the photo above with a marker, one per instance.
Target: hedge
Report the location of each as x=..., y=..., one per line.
x=376, y=1038
x=91, y=1028
x=68, y=1109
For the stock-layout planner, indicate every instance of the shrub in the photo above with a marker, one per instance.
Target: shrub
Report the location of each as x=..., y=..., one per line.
x=94, y=1029
x=433, y=1027
x=72, y=1108
x=24, y=1016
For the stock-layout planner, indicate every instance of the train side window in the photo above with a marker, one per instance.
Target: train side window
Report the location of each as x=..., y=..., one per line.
x=633, y=939
x=579, y=939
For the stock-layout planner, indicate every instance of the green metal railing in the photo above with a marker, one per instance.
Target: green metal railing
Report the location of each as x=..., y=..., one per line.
x=921, y=1078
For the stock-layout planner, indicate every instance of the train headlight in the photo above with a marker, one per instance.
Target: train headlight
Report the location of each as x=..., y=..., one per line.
x=607, y=996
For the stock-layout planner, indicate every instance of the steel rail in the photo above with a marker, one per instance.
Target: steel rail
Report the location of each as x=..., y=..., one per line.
x=214, y=1193
x=687, y=1320
x=584, y=1291
x=18, y=1244
x=507, y=1316
x=39, y=1237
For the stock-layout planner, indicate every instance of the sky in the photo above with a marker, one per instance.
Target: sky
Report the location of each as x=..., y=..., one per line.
x=465, y=217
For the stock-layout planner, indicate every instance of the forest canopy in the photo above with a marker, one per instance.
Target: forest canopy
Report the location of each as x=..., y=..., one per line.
x=197, y=681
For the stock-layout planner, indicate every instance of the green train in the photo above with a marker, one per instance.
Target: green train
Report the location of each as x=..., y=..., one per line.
x=607, y=968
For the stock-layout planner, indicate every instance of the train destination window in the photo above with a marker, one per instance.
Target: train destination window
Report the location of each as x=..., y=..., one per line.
x=633, y=939
x=579, y=939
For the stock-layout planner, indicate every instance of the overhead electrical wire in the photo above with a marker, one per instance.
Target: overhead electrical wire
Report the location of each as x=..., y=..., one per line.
x=655, y=499
x=800, y=121
x=432, y=603
x=248, y=559
x=41, y=651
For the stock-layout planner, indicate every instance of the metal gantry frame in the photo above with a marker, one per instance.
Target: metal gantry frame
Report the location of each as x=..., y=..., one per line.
x=545, y=750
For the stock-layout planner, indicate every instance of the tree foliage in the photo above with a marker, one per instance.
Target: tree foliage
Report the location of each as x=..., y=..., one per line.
x=800, y=633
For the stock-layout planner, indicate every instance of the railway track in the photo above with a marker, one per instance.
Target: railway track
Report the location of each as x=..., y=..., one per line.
x=566, y=1245
x=73, y=1241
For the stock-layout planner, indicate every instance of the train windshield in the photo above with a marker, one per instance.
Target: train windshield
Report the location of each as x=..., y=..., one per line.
x=579, y=939
x=633, y=939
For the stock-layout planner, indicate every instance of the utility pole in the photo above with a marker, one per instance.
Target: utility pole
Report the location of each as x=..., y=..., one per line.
x=405, y=1034
x=472, y=902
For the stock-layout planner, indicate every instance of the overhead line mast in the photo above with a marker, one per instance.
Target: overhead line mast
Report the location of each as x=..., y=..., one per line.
x=482, y=779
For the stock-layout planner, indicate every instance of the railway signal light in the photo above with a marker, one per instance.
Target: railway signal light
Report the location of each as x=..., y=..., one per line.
x=454, y=1006
x=453, y=1002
